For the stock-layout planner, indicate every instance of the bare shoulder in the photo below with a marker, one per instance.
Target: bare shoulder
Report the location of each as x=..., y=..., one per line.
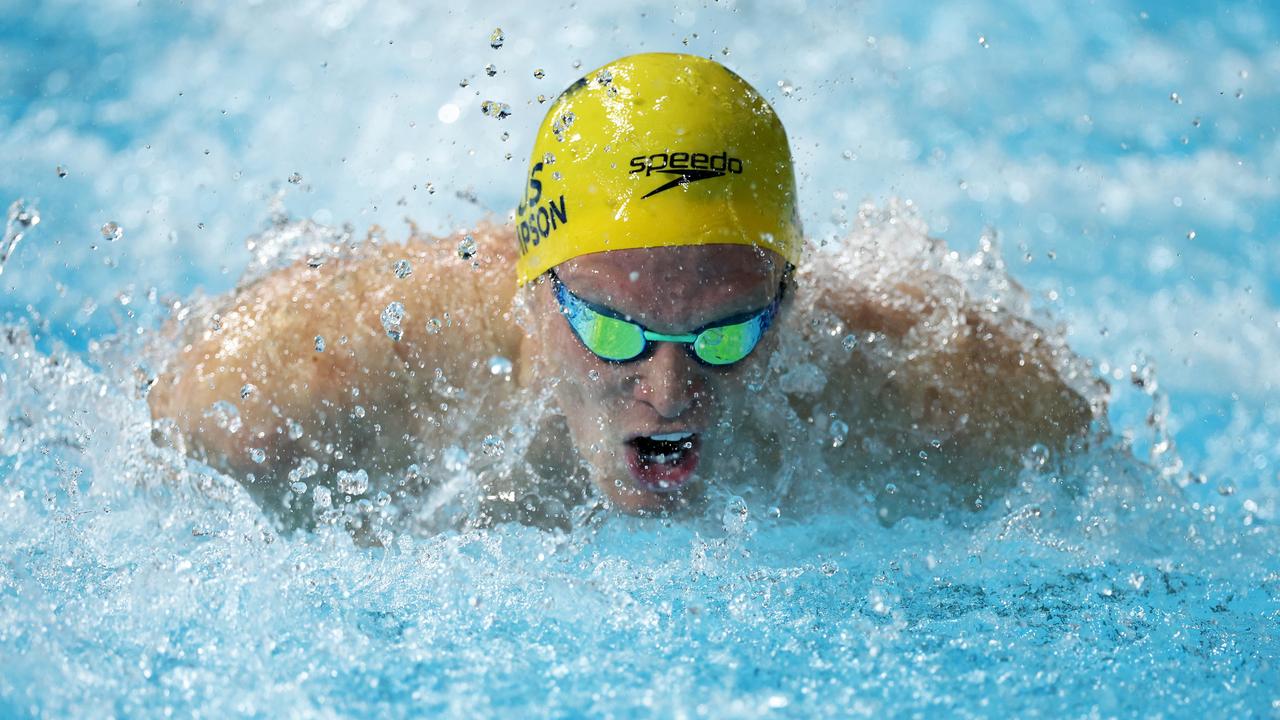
x=917, y=359
x=337, y=358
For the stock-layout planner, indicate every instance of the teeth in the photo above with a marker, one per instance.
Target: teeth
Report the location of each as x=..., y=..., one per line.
x=671, y=437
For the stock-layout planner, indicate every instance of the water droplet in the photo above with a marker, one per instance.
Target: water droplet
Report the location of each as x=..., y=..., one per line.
x=593, y=375
x=467, y=248
x=499, y=366
x=735, y=515
x=62, y=171
x=403, y=269
x=319, y=343
x=225, y=415
x=890, y=489
x=829, y=568
x=604, y=78
x=1239, y=94
x=490, y=69
x=850, y=342
x=358, y=411
x=539, y=74
x=496, y=38
x=492, y=446
x=464, y=82
x=1036, y=457
x=247, y=390
x=787, y=87
x=353, y=483
x=112, y=232
x=391, y=319
x=321, y=496
x=839, y=433
x=1176, y=98
x=257, y=455
x=295, y=429
x=295, y=179
x=1191, y=235
x=298, y=486
x=562, y=124
x=494, y=109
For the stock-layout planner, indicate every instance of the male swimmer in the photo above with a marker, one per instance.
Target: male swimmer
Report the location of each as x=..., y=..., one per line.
x=651, y=288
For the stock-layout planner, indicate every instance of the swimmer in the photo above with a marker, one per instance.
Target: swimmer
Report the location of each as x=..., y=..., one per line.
x=651, y=305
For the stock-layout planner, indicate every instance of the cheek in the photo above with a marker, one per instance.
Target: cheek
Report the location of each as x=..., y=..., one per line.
x=586, y=383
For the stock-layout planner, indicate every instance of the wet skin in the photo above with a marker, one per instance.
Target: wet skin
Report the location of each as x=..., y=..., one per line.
x=671, y=291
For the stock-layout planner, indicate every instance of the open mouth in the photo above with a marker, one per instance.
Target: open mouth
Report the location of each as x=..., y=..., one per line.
x=663, y=462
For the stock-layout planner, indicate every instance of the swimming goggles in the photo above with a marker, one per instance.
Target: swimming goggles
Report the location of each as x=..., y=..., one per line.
x=616, y=338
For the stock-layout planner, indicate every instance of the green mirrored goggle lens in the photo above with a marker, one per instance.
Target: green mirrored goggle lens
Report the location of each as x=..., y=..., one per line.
x=610, y=338
x=728, y=344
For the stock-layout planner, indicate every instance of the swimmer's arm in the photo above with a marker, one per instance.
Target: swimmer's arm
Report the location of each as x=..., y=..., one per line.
x=968, y=378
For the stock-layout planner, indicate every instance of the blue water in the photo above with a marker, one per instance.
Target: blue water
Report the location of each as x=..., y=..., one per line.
x=1092, y=139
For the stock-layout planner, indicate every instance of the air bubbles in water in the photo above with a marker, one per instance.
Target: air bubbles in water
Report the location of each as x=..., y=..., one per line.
x=392, y=316
x=467, y=248
x=496, y=38
x=403, y=269
x=112, y=232
x=495, y=109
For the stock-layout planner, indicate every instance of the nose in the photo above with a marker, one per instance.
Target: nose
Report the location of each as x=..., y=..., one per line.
x=669, y=380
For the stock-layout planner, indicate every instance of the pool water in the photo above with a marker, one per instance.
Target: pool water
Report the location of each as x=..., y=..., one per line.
x=1121, y=157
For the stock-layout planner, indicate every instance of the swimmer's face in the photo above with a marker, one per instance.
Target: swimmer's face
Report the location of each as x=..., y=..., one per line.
x=648, y=425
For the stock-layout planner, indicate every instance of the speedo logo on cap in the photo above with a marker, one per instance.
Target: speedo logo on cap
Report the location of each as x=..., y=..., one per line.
x=685, y=167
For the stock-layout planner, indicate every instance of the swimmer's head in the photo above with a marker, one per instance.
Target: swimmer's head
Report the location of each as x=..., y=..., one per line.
x=661, y=195
x=656, y=150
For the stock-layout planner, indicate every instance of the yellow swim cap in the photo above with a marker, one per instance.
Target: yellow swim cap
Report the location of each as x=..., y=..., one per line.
x=657, y=150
